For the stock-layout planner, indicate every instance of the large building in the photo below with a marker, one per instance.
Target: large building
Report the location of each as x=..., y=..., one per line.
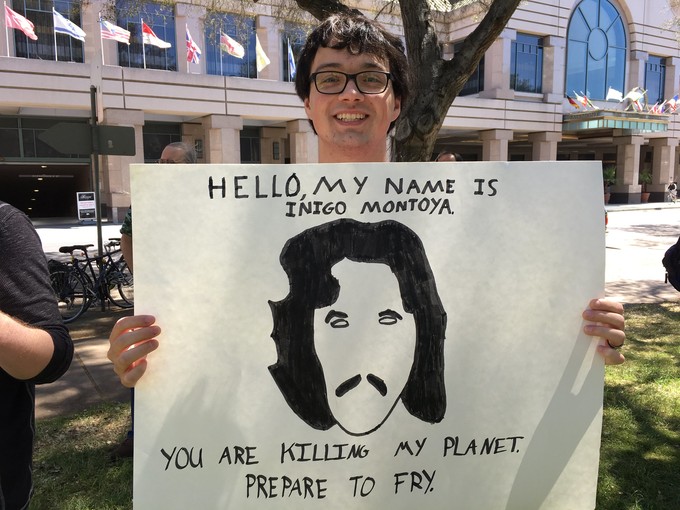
x=514, y=107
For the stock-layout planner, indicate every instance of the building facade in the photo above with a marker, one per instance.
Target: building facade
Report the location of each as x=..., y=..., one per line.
x=514, y=107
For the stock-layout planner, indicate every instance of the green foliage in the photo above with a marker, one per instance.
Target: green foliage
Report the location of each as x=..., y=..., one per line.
x=609, y=174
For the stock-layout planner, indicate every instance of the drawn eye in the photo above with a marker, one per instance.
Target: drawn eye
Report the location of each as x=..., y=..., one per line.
x=337, y=319
x=339, y=323
x=389, y=317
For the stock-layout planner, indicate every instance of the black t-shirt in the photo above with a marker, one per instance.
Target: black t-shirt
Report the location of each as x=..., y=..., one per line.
x=26, y=295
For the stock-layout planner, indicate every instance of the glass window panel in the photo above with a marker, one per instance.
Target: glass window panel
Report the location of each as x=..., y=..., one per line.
x=616, y=68
x=527, y=63
x=161, y=19
x=590, y=10
x=576, y=67
x=242, y=30
x=9, y=143
x=616, y=34
x=655, y=75
x=295, y=35
x=608, y=15
x=475, y=83
x=596, y=79
x=156, y=136
x=40, y=14
x=578, y=28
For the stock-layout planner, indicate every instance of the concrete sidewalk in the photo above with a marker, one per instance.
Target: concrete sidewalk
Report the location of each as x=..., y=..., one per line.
x=91, y=379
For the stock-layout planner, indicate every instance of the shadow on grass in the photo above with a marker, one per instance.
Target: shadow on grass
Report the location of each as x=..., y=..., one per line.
x=640, y=457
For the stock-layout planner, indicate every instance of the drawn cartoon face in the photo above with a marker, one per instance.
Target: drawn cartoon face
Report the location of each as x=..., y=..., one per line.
x=365, y=342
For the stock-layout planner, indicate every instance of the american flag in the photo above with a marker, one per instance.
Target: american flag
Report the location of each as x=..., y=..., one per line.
x=193, y=51
x=113, y=32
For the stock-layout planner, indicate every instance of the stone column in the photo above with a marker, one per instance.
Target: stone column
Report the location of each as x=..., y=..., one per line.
x=189, y=15
x=268, y=34
x=627, y=190
x=222, y=142
x=663, y=167
x=495, y=144
x=497, y=67
x=115, y=170
x=544, y=145
x=272, y=148
x=304, y=145
x=554, y=58
x=636, y=66
x=192, y=134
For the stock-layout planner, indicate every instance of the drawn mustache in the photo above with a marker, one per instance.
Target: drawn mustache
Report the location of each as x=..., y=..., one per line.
x=354, y=381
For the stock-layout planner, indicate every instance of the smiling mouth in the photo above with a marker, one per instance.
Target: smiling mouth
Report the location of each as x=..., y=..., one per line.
x=349, y=117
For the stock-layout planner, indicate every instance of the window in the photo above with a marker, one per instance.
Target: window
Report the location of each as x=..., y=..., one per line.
x=157, y=135
x=526, y=68
x=250, y=145
x=161, y=19
x=655, y=76
x=475, y=83
x=596, y=49
x=39, y=12
x=19, y=138
x=293, y=36
x=238, y=28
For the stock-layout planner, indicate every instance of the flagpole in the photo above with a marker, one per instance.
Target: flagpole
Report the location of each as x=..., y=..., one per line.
x=143, y=47
x=6, y=28
x=101, y=41
x=186, y=28
x=56, y=57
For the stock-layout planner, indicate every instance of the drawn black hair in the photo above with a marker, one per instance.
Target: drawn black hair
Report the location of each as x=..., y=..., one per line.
x=308, y=259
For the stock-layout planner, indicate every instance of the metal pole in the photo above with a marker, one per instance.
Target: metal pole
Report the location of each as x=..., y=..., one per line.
x=95, y=167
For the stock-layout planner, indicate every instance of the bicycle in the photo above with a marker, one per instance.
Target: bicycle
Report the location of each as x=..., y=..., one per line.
x=93, y=279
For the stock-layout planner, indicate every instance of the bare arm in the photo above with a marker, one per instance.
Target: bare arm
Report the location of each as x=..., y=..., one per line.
x=126, y=248
x=24, y=351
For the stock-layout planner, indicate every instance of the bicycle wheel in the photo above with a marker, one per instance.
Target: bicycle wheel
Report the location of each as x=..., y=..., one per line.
x=70, y=292
x=121, y=285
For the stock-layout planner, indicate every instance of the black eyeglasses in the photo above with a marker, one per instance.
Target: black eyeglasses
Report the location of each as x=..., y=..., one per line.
x=334, y=82
x=167, y=162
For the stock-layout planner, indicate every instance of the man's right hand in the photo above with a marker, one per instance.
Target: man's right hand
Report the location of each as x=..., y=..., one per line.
x=131, y=340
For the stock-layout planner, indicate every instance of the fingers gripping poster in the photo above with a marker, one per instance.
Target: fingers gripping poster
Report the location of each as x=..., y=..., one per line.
x=369, y=335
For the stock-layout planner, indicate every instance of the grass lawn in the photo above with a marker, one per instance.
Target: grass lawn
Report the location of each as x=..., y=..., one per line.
x=639, y=465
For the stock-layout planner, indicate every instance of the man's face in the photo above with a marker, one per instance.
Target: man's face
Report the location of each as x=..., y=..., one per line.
x=351, y=126
x=365, y=342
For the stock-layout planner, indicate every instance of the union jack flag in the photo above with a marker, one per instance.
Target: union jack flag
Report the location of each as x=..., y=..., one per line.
x=193, y=51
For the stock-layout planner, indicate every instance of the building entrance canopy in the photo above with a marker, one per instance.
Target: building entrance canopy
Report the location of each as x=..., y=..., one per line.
x=630, y=122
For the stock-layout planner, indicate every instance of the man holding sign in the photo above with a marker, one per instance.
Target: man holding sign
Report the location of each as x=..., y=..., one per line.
x=352, y=78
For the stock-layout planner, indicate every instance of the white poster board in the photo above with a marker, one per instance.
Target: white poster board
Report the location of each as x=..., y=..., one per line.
x=515, y=252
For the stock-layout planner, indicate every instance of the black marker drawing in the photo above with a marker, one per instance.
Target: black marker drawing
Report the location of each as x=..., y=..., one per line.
x=334, y=270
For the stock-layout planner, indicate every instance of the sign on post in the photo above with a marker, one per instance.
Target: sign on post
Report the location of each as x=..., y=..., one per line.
x=87, y=208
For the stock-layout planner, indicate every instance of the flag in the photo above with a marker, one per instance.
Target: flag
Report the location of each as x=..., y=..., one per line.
x=573, y=103
x=635, y=94
x=16, y=20
x=590, y=103
x=673, y=103
x=193, y=51
x=65, y=26
x=113, y=32
x=151, y=38
x=230, y=46
x=614, y=94
x=261, y=58
x=582, y=100
x=291, y=62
